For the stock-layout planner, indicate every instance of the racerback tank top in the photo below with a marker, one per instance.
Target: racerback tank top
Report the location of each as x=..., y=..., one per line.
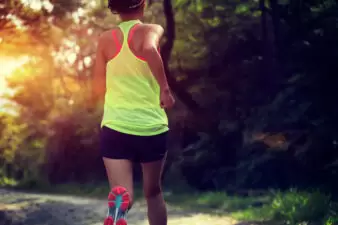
x=132, y=99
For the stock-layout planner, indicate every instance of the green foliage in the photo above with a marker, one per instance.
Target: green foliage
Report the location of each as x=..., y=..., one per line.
x=297, y=206
x=292, y=207
x=331, y=221
x=5, y=181
x=20, y=146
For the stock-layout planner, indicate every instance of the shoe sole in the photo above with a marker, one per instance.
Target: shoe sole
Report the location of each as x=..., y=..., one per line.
x=118, y=203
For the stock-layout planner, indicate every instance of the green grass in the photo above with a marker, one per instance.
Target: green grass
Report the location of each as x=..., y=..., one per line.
x=292, y=207
x=5, y=180
x=219, y=201
x=250, y=208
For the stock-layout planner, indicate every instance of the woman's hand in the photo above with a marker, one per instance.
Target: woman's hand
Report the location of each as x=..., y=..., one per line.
x=167, y=100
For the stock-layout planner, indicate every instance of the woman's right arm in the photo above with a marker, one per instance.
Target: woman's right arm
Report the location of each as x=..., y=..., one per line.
x=153, y=35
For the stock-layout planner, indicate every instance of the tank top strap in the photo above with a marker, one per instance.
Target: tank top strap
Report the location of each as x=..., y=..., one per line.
x=125, y=27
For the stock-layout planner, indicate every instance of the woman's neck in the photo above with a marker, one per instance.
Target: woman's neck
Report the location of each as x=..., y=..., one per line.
x=135, y=16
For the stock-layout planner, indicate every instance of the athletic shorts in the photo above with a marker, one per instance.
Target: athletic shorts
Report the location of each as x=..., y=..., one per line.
x=140, y=149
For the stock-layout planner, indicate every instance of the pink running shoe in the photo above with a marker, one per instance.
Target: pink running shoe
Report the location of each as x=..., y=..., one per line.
x=118, y=205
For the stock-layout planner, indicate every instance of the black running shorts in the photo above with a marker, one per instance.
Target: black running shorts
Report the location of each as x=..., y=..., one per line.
x=141, y=149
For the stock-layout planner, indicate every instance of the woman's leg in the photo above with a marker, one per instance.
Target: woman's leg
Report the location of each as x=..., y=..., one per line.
x=119, y=172
x=157, y=212
x=151, y=153
x=117, y=157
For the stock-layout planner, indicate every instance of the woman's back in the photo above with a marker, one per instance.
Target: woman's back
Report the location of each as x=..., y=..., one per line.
x=132, y=103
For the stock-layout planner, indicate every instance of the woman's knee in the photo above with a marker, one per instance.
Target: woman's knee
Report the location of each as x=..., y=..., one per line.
x=151, y=191
x=152, y=178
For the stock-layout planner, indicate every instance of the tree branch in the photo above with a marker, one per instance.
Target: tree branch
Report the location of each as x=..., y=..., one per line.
x=166, y=50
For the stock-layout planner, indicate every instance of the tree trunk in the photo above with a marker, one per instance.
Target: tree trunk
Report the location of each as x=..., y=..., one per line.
x=264, y=33
x=276, y=21
x=166, y=50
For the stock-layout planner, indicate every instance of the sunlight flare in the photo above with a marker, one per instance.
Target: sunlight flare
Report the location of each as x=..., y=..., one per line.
x=7, y=68
x=37, y=5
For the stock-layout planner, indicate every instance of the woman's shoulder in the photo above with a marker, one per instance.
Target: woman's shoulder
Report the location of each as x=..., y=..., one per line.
x=107, y=34
x=152, y=26
x=109, y=31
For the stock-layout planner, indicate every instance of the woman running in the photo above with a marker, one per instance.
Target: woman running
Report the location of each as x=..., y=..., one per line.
x=135, y=124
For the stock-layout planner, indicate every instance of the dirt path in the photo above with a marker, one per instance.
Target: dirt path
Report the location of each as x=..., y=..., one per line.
x=19, y=208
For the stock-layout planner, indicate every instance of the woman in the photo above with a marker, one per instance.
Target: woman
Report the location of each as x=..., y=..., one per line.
x=134, y=125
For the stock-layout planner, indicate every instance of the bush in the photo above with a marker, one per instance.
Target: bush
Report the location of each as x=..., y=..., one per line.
x=331, y=220
x=297, y=206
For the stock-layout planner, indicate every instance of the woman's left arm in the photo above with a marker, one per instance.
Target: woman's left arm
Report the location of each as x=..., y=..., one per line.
x=99, y=72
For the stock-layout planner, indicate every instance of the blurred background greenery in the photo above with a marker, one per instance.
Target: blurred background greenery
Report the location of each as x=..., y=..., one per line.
x=254, y=131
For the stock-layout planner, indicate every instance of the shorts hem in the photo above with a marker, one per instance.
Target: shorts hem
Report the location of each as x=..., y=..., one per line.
x=126, y=131
x=154, y=159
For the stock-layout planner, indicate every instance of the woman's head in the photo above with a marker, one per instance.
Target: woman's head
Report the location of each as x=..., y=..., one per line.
x=125, y=7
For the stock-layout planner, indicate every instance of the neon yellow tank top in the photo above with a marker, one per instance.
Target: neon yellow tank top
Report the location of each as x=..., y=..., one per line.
x=132, y=99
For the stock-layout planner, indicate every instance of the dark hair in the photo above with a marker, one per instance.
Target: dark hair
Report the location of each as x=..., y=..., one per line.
x=125, y=6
